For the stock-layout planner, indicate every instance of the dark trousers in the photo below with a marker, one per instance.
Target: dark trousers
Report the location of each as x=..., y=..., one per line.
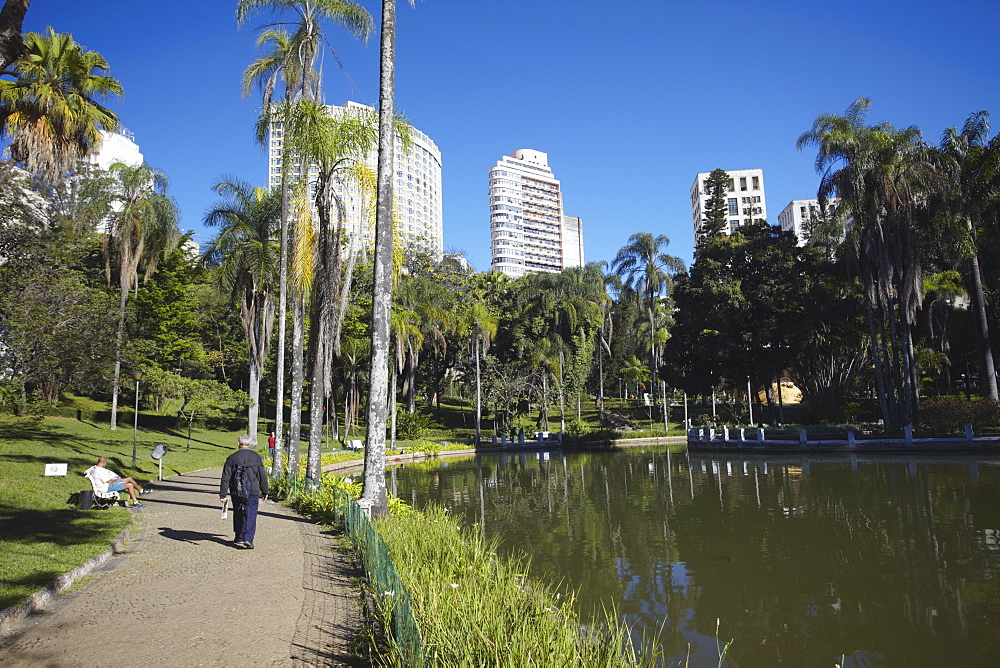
x=245, y=517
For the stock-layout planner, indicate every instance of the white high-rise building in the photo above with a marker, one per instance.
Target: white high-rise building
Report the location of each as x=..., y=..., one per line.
x=795, y=216
x=746, y=200
x=417, y=185
x=528, y=230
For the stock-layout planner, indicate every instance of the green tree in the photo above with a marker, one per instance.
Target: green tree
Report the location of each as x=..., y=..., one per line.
x=971, y=162
x=648, y=270
x=52, y=112
x=140, y=230
x=245, y=256
x=882, y=175
x=292, y=59
x=716, y=207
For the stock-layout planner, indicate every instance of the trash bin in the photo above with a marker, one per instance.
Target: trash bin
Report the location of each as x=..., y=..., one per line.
x=86, y=499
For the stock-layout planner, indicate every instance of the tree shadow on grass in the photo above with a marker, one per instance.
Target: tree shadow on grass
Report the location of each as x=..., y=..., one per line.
x=59, y=527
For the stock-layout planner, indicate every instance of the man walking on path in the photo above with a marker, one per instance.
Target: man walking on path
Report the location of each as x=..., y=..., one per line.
x=245, y=479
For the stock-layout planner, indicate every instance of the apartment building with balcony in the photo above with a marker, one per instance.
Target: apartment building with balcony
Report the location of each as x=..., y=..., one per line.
x=528, y=229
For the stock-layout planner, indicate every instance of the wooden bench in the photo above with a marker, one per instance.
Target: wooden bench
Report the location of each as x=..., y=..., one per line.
x=355, y=445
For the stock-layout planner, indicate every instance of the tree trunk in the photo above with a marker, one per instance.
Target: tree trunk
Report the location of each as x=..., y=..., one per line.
x=373, y=494
x=479, y=399
x=118, y=357
x=298, y=373
x=11, y=18
x=988, y=371
x=279, y=390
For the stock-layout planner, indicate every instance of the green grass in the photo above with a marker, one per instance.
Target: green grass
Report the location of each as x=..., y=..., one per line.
x=477, y=609
x=42, y=536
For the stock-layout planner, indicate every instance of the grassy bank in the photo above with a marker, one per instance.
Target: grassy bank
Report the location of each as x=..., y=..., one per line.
x=42, y=536
x=472, y=607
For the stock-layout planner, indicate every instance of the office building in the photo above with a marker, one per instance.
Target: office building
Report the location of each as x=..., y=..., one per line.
x=528, y=230
x=417, y=183
x=796, y=215
x=745, y=199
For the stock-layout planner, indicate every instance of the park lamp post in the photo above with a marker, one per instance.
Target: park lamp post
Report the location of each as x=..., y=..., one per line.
x=135, y=427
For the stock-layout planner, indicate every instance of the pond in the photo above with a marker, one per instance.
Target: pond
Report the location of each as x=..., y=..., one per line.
x=803, y=561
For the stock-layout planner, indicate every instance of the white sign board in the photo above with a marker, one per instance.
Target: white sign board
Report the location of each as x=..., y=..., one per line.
x=56, y=469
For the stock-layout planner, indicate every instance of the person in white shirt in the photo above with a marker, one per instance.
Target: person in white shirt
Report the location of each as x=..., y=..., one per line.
x=105, y=480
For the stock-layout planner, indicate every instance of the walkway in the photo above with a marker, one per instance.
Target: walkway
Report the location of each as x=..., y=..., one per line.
x=182, y=595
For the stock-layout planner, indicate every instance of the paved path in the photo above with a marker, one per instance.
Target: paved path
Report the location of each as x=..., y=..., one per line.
x=182, y=595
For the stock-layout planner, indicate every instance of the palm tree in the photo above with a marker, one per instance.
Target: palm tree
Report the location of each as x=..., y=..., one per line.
x=406, y=334
x=141, y=228
x=646, y=268
x=246, y=255
x=971, y=162
x=882, y=175
x=52, y=111
x=292, y=58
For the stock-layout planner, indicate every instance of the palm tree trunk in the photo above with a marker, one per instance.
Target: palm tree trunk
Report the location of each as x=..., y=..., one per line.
x=988, y=372
x=316, y=403
x=279, y=390
x=479, y=399
x=298, y=374
x=373, y=493
x=118, y=357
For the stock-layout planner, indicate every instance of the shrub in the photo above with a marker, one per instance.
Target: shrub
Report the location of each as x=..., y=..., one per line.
x=951, y=413
x=411, y=426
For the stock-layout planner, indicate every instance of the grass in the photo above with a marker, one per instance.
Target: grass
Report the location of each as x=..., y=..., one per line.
x=477, y=609
x=42, y=536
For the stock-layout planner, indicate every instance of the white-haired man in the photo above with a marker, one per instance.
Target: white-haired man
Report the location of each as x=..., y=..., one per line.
x=245, y=480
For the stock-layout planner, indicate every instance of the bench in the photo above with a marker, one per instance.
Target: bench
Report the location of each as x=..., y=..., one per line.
x=355, y=445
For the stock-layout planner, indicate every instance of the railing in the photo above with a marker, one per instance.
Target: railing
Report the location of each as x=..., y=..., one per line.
x=391, y=594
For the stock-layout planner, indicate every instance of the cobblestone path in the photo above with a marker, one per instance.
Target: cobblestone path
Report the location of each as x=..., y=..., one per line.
x=182, y=595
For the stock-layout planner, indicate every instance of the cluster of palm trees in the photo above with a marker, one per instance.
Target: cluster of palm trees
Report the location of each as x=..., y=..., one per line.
x=913, y=205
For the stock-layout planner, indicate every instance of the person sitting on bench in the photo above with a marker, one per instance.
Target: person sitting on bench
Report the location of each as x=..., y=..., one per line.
x=105, y=480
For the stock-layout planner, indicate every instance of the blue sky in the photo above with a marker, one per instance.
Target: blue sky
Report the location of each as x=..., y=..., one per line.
x=630, y=98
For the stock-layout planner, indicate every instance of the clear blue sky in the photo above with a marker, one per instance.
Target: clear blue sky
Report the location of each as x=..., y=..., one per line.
x=630, y=98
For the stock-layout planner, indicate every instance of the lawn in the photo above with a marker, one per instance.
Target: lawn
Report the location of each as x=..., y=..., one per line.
x=42, y=536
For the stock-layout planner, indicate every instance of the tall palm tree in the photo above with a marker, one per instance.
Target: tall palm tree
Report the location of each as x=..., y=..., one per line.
x=292, y=58
x=53, y=111
x=141, y=229
x=246, y=255
x=478, y=325
x=646, y=268
x=971, y=161
x=11, y=42
x=882, y=175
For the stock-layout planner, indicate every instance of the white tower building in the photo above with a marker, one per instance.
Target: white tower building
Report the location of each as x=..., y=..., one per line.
x=746, y=200
x=528, y=230
x=795, y=216
x=115, y=147
x=417, y=187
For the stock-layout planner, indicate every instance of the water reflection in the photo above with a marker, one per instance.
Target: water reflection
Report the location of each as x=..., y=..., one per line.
x=881, y=561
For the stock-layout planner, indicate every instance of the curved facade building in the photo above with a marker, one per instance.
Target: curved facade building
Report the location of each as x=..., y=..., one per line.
x=419, y=214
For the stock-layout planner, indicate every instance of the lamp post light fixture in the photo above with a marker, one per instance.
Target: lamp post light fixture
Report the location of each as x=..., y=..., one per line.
x=135, y=427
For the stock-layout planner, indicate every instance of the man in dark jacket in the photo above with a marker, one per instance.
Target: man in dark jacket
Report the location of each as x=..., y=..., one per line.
x=245, y=479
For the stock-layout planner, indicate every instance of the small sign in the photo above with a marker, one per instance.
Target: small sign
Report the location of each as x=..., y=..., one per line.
x=56, y=469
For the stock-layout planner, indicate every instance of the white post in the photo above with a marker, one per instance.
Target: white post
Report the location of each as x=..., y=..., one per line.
x=687, y=423
x=749, y=401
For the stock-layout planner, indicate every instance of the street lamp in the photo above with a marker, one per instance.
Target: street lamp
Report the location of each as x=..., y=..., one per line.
x=135, y=427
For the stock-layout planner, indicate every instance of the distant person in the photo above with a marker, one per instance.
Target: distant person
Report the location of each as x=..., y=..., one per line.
x=245, y=481
x=271, y=442
x=104, y=480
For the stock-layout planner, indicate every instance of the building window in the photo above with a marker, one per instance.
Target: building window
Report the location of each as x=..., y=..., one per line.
x=733, y=209
x=732, y=186
x=756, y=183
x=743, y=183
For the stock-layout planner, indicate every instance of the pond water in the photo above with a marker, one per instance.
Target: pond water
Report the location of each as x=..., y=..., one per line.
x=804, y=561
